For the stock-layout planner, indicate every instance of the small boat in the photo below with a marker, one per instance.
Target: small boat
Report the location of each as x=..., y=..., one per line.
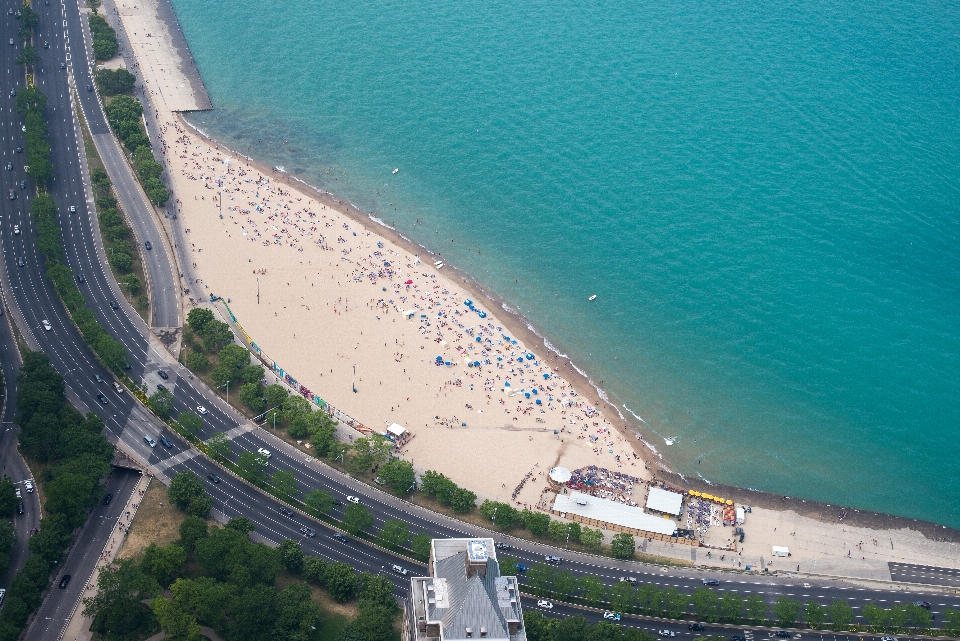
x=438, y=262
x=395, y=170
x=594, y=297
x=439, y=265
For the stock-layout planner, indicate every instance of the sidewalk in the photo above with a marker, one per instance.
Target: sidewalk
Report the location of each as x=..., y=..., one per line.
x=78, y=627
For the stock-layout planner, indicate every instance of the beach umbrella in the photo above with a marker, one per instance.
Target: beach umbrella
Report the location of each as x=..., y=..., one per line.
x=409, y=282
x=729, y=502
x=691, y=493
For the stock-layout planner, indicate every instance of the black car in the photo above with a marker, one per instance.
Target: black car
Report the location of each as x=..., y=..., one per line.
x=340, y=537
x=163, y=374
x=504, y=546
x=308, y=532
x=21, y=262
x=162, y=387
x=107, y=499
x=337, y=502
x=286, y=511
x=922, y=604
x=89, y=87
x=81, y=279
x=65, y=581
x=114, y=305
x=167, y=444
x=127, y=366
x=696, y=627
x=148, y=245
x=737, y=638
x=103, y=399
x=213, y=477
x=20, y=507
x=783, y=634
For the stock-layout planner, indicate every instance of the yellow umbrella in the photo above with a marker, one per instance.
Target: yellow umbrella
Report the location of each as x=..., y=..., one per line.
x=691, y=493
x=729, y=502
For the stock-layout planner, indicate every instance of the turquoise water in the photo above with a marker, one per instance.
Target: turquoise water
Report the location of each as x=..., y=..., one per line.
x=764, y=197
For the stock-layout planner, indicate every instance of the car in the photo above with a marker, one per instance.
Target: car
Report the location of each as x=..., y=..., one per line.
x=20, y=507
x=286, y=511
x=16, y=491
x=46, y=44
x=103, y=399
x=337, y=502
x=161, y=387
x=118, y=387
x=553, y=560
x=400, y=570
x=711, y=582
x=340, y=537
x=23, y=184
x=611, y=616
x=21, y=262
x=696, y=627
x=11, y=194
x=114, y=305
x=166, y=442
x=504, y=546
x=19, y=150
x=98, y=378
x=46, y=324
x=28, y=485
x=889, y=639
x=107, y=499
x=632, y=580
x=81, y=279
x=16, y=230
x=9, y=166
x=353, y=499
x=127, y=365
x=736, y=637
x=65, y=581
x=201, y=409
x=521, y=567
x=783, y=634
x=73, y=209
x=163, y=374
x=150, y=441
x=148, y=245
x=922, y=604
x=213, y=477
x=63, y=65
x=546, y=605
x=666, y=633
x=378, y=481
x=264, y=452
x=89, y=87
x=3, y=592
x=308, y=532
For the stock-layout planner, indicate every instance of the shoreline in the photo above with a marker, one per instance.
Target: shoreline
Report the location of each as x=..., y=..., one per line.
x=628, y=426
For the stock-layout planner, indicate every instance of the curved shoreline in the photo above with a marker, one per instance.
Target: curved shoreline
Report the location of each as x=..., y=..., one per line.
x=629, y=426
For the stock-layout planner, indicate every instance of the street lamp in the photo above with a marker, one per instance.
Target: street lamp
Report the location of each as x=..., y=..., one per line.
x=354, y=378
x=228, y=391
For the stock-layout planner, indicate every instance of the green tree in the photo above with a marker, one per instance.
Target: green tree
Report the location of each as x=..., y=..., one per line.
x=815, y=614
x=951, y=621
x=918, y=616
x=123, y=263
x=340, y=581
x=592, y=589
x=731, y=608
x=591, y=539
x=573, y=532
x=319, y=501
x=240, y=524
x=366, y=452
x=115, y=82
x=393, y=534
x=623, y=596
x=220, y=446
x=564, y=583
x=284, y=485
x=185, y=488
x=291, y=556
x=251, y=395
x=356, y=518
x=541, y=577
x=30, y=99
x=295, y=406
x=216, y=334
x=175, y=621
x=234, y=357
x=197, y=361
x=121, y=587
x=163, y=563
x=537, y=522
x=874, y=615
x=463, y=500
x=162, y=403
x=252, y=467
x=755, y=609
x=438, y=486
x=897, y=616
x=705, y=604
x=674, y=603
x=27, y=56
x=190, y=422
x=198, y=318
x=787, y=611
x=8, y=498
x=648, y=599
x=192, y=529
x=841, y=615
x=130, y=281
x=398, y=475
x=557, y=530
x=420, y=544
x=623, y=546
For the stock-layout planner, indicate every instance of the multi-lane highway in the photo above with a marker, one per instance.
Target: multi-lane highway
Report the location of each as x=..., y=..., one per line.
x=29, y=296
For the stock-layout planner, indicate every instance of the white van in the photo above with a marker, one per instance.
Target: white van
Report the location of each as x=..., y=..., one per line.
x=741, y=515
x=780, y=551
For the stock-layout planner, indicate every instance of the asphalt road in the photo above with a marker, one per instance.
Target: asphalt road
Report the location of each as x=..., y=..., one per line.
x=55, y=611
x=29, y=296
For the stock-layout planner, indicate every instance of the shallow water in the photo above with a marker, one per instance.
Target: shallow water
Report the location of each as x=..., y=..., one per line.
x=764, y=199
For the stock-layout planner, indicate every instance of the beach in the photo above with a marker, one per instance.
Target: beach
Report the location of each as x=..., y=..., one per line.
x=373, y=325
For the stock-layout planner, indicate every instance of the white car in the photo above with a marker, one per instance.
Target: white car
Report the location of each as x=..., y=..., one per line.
x=28, y=485
x=46, y=324
x=201, y=409
x=265, y=453
x=400, y=570
x=888, y=639
x=353, y=499
x=611, y=616
x=666, y=633
x=546, y=605
x=16, y=229
x=73, y=209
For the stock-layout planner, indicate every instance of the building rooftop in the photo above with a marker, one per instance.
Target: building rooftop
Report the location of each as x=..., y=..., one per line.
x=465, y=597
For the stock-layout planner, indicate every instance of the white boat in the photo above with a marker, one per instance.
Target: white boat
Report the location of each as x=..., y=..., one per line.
x=439, y=265
x=438, y=262
x=594, y=297
x=395, y=170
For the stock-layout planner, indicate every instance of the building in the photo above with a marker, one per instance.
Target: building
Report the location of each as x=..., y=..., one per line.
x=464, y=597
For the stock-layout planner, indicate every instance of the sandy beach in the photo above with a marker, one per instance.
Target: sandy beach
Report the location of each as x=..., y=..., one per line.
x=374, y=326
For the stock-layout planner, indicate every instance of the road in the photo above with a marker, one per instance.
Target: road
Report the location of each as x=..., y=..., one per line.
x=30, y=298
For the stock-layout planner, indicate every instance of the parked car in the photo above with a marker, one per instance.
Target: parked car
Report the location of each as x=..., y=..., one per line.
x=166, y=443
x=265, y=453
x=3, y=592
x=711, y=582
x=65, y=581
x=107, y=499
x=308, y=532
x=213, y=477
x=353, y=499
x=546, y=605
x=400, y=570
x=150, y=441
x=611, y=616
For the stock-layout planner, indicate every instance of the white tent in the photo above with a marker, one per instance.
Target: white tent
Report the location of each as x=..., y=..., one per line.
x=598, y=509
x=660, y=500
x=396, y=430
x=560, y=475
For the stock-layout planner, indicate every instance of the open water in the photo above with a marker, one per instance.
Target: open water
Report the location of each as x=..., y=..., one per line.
x=763, y=196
